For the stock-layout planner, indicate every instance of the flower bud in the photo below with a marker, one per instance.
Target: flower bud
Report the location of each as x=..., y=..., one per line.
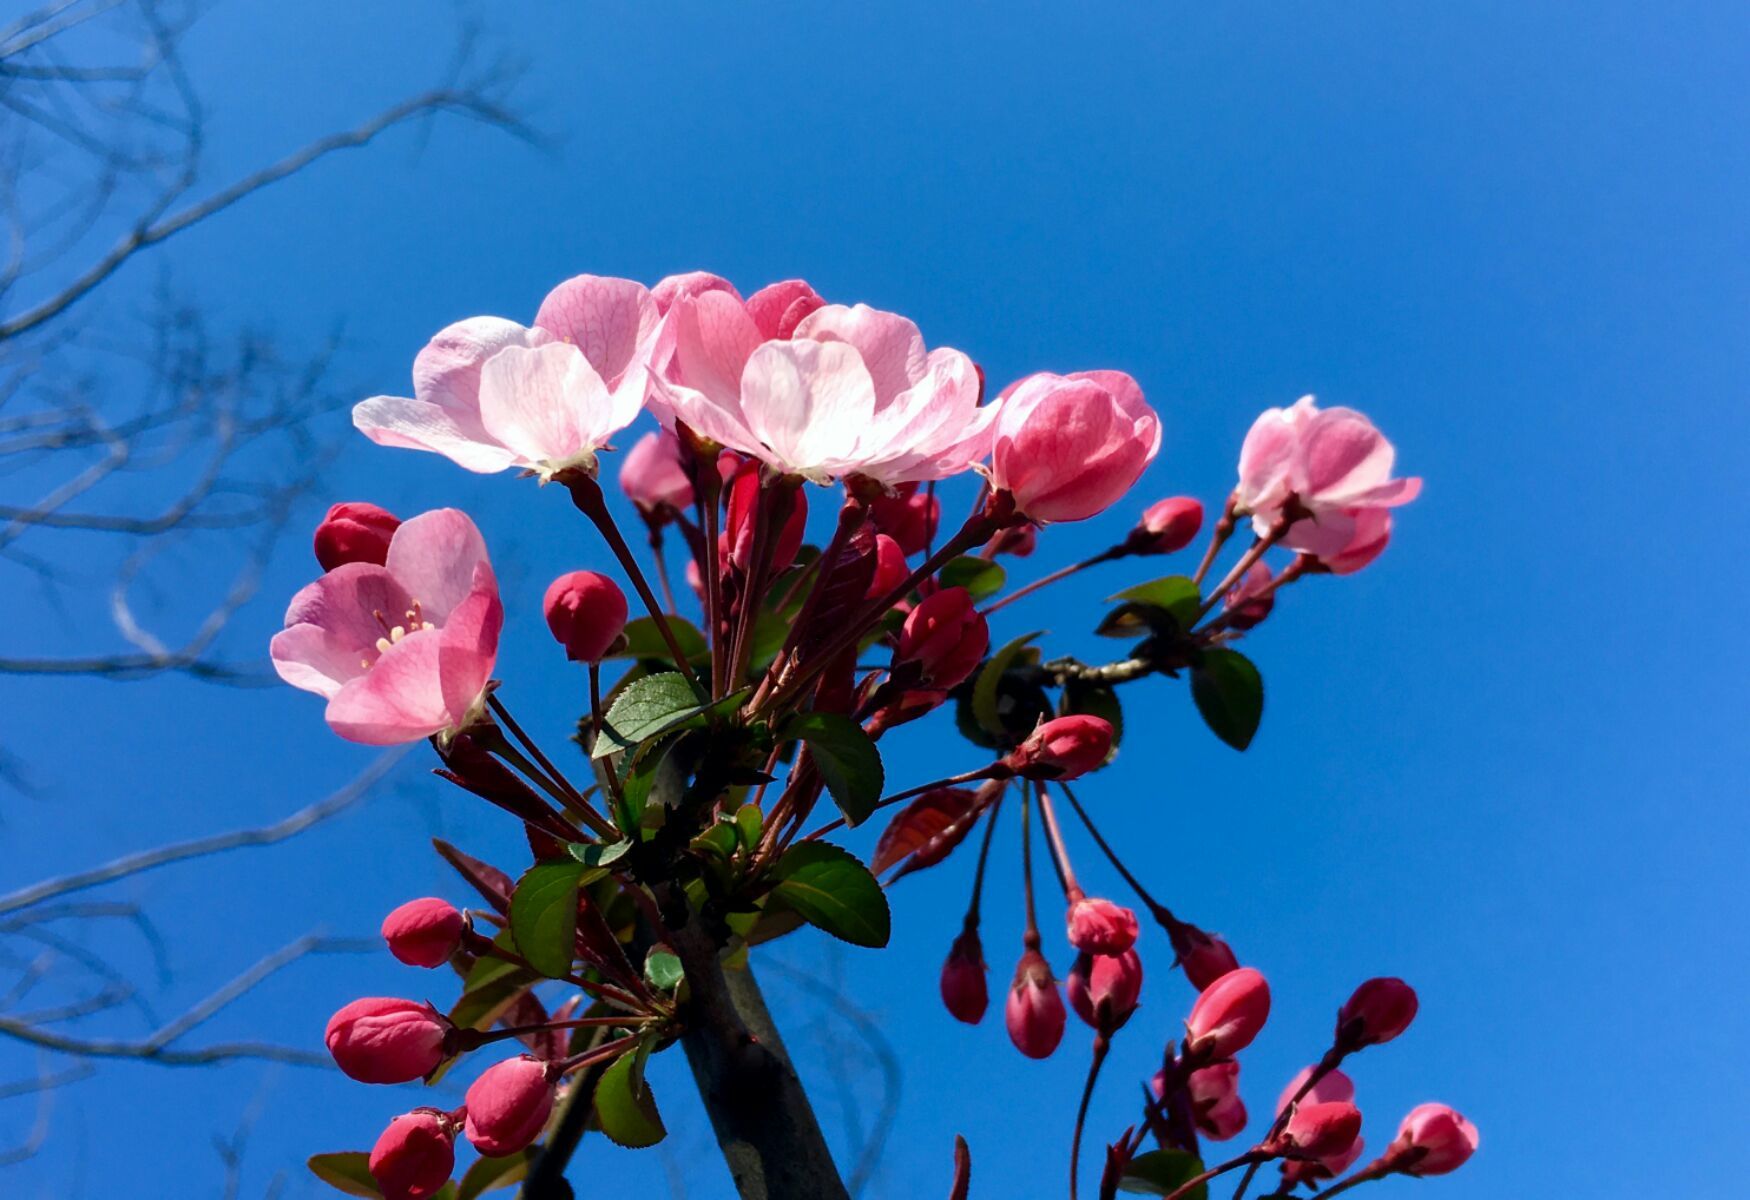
x=1017, y=540
x=383, y=1040
x=586, y=613
x=908, y=516
x=1333, y=1085
x=1167, y=526
x=945, y=635
x=1067, y=447
x=423, y=933
x=508, y=1105
x=963, y=985
x=1100, y=927
x=1063, y=748
x=1321, y=1130
x=1379, y=1010
x=778, y=308
x=1215, y=1100
x=355, y=532
x=1228, y=1015
x=1034, y=1013
x=1104, y=989
x=745, y=497
x=414, y=1156
x=1244, y=604
x=1205, y=957
x=891, y=569
x=1296, y=1171
x=653, y=477
x=1433, y=1140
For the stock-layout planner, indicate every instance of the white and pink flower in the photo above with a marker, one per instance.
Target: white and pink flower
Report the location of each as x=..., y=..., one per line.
x=401, y=651
x=1068, y=446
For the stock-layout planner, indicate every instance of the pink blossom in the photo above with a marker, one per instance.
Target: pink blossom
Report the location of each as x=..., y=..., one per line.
x=354, y=532
x=1068, y=446
x=1205, y=957
x=1321, y=1129
x=835, y=391
x=652, y=475
x=909, y=516
x=1316, y=467
x=1104, y=988
x=1216, y=1105
x=891, y=569
x=1062, y=748
x=489, y=393
x=423, y=933
x=945, y=636
x=1100, y=927
x=1379, y=1011
x=1034, y=1014
x=414, y=1156
x=586, y=612
x=1228, y=1015
x=1433, y=1140
x=380, y=1039
x=1249, y=601
x=404, y=650
x=1167, y=526
x=964, y=990
x=509, y=1104
x=1369, y=532
x=1334, y=1085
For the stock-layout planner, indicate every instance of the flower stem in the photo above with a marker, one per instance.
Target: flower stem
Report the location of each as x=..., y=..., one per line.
x=1060, y=573
x=920, y=789
x=1253, y=553
x=1224, y=528
x=1102, y=1044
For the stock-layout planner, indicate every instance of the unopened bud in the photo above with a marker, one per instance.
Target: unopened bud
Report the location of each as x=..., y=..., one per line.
x=1104, y=989
x=509, y=1104
x=1247, y=603
x=423, y=933
x=1063, y=748
x=1379, y=1010
x=1205, y=957
x=1167, y=526
x=414, y=1156
x=652, y=476
x=945, y=636
x=963, y=984
x=355, y=532
x=909, y=517
x=586, y=612
x=1100, y=927
x=1320, y=1130
x=383, y=1040
x=1034, y=1013
x=1215, y=1100
x=1228, y=1015
x=891, y=569
x=1433, y=1140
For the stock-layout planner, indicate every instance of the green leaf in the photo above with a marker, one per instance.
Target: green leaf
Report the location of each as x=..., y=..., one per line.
x=595, y=854
x=748, y=825
x=648, y=708
x=1094, y=700
x=1230, y=694
x=491, y=986
x=662, y=969
x=349, y=1171
x=985, y=691
x=1176, y=594
x=980, y=576
x=719, y=840
x=1160, y=1172
x=832, y=890
x=624, y=1107
x=543, y=916
x=490, y=1174
x=644, y=641
x=846, y=759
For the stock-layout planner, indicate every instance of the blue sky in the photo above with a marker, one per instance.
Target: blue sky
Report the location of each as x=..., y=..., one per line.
x=1505, y=762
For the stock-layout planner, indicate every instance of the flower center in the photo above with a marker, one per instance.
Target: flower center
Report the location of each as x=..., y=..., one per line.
x=414, y=622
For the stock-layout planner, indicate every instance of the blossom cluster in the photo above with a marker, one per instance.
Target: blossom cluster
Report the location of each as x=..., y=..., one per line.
x=707, y=758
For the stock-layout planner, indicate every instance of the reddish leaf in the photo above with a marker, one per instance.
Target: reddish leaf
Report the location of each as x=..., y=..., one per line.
x=928, y=828
x=484, y=878
x=962, y=1170
x=527, y=1010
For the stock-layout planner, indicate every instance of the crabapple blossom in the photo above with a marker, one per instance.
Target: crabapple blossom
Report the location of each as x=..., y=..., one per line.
x=1379, y=1011
x=1370, y=531
x=1104, y=988
x=1062, y=748
x=891, y=569
x=425, y=932
x=1333, y=1085
x=1248, y=602
x=1228, y=1015
x=586, y=613
x=379, y=1039
x=908, y=515
x=652, y=476
x=1216, y=1105
x=1314, y=468
x=489, y=393
x=404, y=650
x=964, y=991
x=414, y=1156
x=1034, y=1014
x=946, y=636
x=1321, y=1129
x=1167, y=526
x=354, y=532
x=1433, y=1140
x=509, y=1104
x=745, y=496
x=1205, y=957
x=1099, y=926
x=1067, y=446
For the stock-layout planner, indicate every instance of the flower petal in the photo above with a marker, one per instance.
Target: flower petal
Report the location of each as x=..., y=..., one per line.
x=546, y=404
x=809, y=402
x=891, y=346
x=400, y=699
x=332, y=627
x=610, y=320
x=433, y=557
x=420, y=425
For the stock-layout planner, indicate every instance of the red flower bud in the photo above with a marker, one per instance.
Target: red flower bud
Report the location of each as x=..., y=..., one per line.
x=383, y=1040
x=945, y=635
x=1228, y=1015
x=1321, y=1130
x=1379, y=1010
x=909, y=517
x=1204, y=956
x=781, y=544
x=1215, y=1100
x=586, y=612
x=1333, y=1085
x=355, y=532
x=423, y=933
x=508, y=1105
x=1433, y=1140
x=415, y=1155
x=1064, y=748
x=1167, y=526
x=1244, y=603
x=891, y=569
x=1104, y=989
x=1311, y=1170
x=1018, y=540
x=963, y=985
x=1101, y=927
x=1034, y=1013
